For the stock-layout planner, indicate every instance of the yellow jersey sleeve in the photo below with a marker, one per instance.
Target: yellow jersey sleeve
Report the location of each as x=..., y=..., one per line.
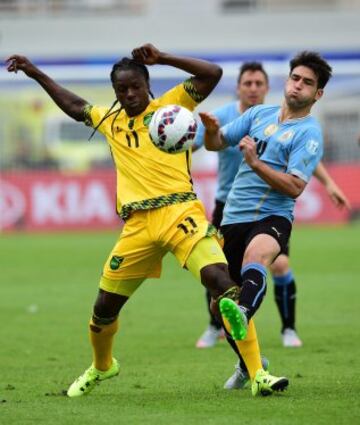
x=93, y=114
x=183, y=94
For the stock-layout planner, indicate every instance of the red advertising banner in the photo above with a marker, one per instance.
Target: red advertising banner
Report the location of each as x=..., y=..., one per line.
x=47, y=200
x=315, y=205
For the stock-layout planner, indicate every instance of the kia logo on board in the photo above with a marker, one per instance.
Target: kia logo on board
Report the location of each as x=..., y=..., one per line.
x=12, y=204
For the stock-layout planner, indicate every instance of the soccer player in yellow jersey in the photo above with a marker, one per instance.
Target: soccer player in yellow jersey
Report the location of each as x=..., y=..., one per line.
x=155, y=197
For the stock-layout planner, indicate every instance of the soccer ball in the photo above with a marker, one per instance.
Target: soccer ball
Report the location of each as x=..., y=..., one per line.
x=172, y=129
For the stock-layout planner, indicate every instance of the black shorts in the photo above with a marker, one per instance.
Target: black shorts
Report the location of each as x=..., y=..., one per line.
x=286, y=251
x=217, y=214
x=238, y=236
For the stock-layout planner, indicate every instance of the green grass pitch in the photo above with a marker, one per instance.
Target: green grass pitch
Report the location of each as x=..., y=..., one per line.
x=49, y=282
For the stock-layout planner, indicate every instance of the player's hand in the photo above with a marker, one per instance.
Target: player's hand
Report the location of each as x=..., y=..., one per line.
x=247, y=146
x=211, y=123
x=17, y=63
x=147, y=54
x=337, y=196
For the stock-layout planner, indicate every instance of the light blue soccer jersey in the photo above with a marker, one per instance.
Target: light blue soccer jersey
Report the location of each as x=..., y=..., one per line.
x=230, y=158
x=294, y=146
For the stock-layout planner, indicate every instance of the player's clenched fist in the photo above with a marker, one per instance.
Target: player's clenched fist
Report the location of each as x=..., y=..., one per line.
x=16, y=62
x=248, y=147
x=147, y=54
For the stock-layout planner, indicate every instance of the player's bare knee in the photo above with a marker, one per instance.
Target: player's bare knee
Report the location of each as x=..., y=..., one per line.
x=263, y=256
x=252, y=255
x=108, y=306
x=280, y=266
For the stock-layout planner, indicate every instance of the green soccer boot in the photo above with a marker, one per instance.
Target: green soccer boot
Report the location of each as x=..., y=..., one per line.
x=236, y=318
x=240, y=377
x=265, y=384
x=90, y=378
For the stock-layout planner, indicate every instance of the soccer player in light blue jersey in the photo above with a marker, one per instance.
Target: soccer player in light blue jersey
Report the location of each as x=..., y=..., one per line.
x=281, y=147
x=252, y=87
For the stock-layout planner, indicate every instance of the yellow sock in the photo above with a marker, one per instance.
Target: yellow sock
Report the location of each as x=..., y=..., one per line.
x=250, y=350
x=101, y=337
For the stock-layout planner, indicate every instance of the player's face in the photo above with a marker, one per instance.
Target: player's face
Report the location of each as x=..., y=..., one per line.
x=301, y=90
x=132, y=91
x=252, y=88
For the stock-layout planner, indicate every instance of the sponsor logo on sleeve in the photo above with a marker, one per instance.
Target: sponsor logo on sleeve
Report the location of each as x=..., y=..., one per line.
x=312, y=146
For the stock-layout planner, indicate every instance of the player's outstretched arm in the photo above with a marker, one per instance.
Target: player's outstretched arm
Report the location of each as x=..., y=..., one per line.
x=335, y=193
x=69, y=102
x=206, y=74
x=213, y=139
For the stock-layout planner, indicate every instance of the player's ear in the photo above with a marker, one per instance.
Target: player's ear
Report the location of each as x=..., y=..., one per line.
x=319, y=94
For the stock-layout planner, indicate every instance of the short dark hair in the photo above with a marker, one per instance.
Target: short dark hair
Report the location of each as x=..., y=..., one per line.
x=316, y=63
x=252, y=66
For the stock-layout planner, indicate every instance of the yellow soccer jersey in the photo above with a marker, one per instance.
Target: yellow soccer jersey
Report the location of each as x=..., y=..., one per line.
x=146, y=177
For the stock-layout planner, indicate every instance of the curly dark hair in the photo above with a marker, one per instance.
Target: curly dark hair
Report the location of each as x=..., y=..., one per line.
x=316, y=63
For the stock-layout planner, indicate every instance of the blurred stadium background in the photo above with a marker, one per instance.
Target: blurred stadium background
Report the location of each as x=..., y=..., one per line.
x=52, y=178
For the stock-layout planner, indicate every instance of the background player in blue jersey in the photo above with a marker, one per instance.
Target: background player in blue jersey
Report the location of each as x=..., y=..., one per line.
x=281, y=147
x=252, y=87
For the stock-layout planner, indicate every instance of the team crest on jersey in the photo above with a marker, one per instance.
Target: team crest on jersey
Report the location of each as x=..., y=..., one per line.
x=271, y=129
x=147, y=119
x=312, y=146
x=287, y=135
x=115, y=262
